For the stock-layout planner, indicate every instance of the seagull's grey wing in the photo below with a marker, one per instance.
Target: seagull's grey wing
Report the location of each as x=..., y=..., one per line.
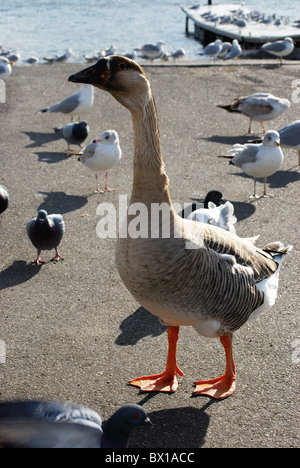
x=88, y=152
x=48, y=425
x=290, y=135
x=67, y=105
x=275, y=46
x=247, y=155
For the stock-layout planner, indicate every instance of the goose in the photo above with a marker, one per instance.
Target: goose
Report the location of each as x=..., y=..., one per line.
x=279, y=48
x=45, y=233
x=235, y=279
x=101, y=155
x=75, y=104
x=48, y=424
x=258, y=106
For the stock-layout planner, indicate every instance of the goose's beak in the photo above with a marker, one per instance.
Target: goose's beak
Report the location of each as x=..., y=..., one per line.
x=96, y=75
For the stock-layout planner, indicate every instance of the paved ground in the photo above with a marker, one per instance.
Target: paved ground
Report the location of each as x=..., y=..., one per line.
x=71, y=329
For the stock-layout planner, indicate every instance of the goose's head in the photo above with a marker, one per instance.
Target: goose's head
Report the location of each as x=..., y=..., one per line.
x=121, y=77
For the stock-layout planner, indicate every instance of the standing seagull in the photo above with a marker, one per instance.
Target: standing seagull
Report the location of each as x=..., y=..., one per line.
x=46, y=232
x=279, y=48
x=199, y=275
x=290, y=136
x=5, y=68
x=213, y=49
x=261, y=160
x=47, y=424
x=101, y=155
x=74, y=133
x=235, y=50
x=4, y=198
x=76, y=104
x=258, y=106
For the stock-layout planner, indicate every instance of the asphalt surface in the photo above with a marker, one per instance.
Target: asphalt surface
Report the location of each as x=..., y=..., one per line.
x=73, y=332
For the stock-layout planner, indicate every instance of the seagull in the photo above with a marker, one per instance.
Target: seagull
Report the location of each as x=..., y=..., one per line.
x=261, y=160
x=5, y=68
x=221, y=216
x=74, y=133
x=47, y=424
x=4, y=198
x=290, y=136
x=279, y=48
x=258, y=106
x=151, y=51
x=226, y=46
x=178, y=54
x=213, y=49
x=61, y=58
x=101, y=155
x=46, y=232
x=32, y=60
x=76, y=104
x=14, y=58
x=214, y=196
x=235, y=50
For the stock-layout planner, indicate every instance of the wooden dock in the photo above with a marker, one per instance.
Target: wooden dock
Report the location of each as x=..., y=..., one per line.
x=235, y=21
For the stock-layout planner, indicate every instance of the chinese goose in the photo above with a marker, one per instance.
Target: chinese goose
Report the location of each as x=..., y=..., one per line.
x=258, y=106
x=47, y=424
x=235, y=280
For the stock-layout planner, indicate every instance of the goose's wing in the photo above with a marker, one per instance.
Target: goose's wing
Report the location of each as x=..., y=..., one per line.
x=48, y=425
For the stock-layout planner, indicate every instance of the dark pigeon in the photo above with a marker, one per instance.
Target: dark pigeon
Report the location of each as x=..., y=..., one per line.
x=4, y=199
x=46, y=232
x=37, y=424
x=213, y=196
x=74, y=133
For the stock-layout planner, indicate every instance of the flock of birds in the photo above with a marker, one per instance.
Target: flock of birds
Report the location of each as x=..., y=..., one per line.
x=249, y=273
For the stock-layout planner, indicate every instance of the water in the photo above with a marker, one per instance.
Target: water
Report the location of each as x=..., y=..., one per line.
x=47, y=27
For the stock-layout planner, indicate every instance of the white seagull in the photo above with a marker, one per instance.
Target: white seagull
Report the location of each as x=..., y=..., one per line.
x=235, y=50
x=76, y=104
x=279, y=48
x=5, y=68
x=290, y=136
x=221, y=216
x=101, y=155
x=213, y=49
x=258, y=106
x=151, y=51
x=259, y=160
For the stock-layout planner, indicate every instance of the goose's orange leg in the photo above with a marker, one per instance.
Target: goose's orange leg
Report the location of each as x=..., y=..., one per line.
x=224, y=386
x=167, y=381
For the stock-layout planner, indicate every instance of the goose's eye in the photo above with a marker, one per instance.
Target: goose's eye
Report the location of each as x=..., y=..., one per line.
x=122, y=66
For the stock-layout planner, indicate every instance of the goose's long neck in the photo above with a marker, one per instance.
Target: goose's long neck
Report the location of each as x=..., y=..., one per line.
x=150, y=182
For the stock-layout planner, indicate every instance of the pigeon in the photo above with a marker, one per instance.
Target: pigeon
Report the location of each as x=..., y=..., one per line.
x=258, y=106
x=43, y=424
x=4, y=198
x=76, y=104
x=46, y=232
x=221, y=216
x=101, y=155
x=279, y=48
x=261, y=160
x=213, y=196
x=74, y=133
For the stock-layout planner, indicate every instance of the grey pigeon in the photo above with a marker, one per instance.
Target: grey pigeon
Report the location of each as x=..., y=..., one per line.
x=74, y=133
x=38, y=424
x=46, y=232
x=4, y=198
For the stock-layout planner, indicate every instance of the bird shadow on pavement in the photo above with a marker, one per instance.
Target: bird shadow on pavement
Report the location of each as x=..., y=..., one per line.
x=278, y=180
x=137, y=326
x=232, y=139
x=60, y=202
x=40, y=138
x=17, y=273
x=51, y=157
x=174, y=428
